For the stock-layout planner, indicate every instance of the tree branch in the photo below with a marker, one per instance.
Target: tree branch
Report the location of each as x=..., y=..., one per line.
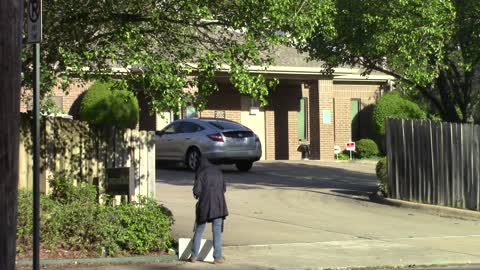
x=425, y=91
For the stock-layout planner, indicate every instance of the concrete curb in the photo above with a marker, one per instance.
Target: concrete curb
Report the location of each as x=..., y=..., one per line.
x=431, y=209
x=162, y=258
x=358, y=161
x=453, y=266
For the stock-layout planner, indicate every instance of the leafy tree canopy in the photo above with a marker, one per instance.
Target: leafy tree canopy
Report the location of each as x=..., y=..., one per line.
x=430, y=47
x=163, y=46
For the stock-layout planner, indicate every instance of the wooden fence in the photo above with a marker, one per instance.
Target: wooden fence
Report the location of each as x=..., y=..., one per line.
x=434, y=163
x=73, y=148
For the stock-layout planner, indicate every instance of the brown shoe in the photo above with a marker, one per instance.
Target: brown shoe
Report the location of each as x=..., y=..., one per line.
x=192, y=259
x=219, y=260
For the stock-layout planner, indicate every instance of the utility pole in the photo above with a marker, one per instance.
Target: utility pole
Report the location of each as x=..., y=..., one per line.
x=10, y=84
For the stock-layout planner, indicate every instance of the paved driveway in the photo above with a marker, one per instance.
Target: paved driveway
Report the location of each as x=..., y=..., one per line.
x=304, y=202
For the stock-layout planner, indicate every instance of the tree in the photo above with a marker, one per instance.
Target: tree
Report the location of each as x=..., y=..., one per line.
x=430, y=47
x=163, y=46
x=10, y=65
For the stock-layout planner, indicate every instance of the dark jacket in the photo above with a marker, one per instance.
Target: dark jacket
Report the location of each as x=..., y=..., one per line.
x=209, y=188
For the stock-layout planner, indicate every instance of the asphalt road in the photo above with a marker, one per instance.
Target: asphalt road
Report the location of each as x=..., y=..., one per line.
x=305, y=202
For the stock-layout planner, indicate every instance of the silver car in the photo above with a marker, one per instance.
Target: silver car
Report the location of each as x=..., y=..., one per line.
x=221, y=141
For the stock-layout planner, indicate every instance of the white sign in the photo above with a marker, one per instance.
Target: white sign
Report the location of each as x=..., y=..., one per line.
x=254, y=110
x=327, y=116
x=350, y=146
x=337, y=149
x=34, y=21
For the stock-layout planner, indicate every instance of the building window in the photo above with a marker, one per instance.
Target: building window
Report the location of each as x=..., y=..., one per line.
x=302, y=119
x=355, y=107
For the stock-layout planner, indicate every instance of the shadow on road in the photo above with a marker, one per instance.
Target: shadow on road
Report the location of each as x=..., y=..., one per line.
x=342, y=181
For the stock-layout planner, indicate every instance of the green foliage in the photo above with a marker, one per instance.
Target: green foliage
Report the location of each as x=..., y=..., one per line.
x=83, y=226
x=161, y=45
x=24, y=220
x=394, y=105
x=72, y=219
x=343, y=156
x=429, y=47
x=102, y=105
x=366, y=148
x=64, y=191
x=146, y=227
x=382, y=174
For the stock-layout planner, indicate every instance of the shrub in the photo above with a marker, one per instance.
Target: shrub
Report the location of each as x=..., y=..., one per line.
x=145, y=228
x=94, y=101
x=72, y=219
x=366, y=148
x=102, y=105
x=382, y=174
x=394, y=105
x=65, y=191
x=343, y=156
x=24, y=220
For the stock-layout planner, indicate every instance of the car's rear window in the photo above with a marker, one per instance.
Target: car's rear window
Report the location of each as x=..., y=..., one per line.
x=225, y=125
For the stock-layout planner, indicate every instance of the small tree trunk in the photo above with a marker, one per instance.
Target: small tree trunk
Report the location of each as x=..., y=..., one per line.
x=10, y=67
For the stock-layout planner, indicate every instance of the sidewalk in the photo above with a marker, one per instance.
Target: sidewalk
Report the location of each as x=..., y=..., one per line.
x=361, y=253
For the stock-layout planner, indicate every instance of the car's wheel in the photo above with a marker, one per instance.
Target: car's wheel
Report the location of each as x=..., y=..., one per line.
x=193, y=159
x=244, y=166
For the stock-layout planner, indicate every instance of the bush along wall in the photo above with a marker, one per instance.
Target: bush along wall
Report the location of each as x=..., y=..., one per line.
x=109, y=104
x=73, y=220
x=394, y=105
x=366, y=148
x=382, y=175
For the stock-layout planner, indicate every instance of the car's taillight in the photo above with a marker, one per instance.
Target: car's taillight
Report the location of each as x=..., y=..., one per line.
x=217, y=137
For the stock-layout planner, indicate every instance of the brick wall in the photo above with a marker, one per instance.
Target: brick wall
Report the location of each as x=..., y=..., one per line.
x=227, y=100
x=72, y=101
x=70, y=98
x=281, y=122
x=344, y=92
x=281, y=140
x=327, y=130
x=270, y=134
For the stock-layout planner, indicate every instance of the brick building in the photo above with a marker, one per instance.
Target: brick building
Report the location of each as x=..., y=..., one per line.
x=308, y=107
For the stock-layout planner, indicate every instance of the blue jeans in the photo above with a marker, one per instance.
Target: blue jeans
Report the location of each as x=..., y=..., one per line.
x=217, y=225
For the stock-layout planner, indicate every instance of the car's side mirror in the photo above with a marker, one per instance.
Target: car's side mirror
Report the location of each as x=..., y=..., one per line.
x=159, y=133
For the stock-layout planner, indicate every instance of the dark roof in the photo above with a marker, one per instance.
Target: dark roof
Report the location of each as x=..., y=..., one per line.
x=291, y=57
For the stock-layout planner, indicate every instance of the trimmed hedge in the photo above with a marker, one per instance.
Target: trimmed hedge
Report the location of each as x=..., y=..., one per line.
x=102, y=105
x=394, y=105
x=382, y=174
x=366, y=148
x=73, y=220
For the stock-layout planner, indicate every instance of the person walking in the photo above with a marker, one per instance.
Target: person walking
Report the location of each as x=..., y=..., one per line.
x=209, y=189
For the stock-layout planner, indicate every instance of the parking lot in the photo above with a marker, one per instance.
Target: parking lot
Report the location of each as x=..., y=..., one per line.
x=281, y=202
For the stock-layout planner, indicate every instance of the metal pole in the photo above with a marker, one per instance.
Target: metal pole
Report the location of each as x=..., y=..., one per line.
x=36, y=157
